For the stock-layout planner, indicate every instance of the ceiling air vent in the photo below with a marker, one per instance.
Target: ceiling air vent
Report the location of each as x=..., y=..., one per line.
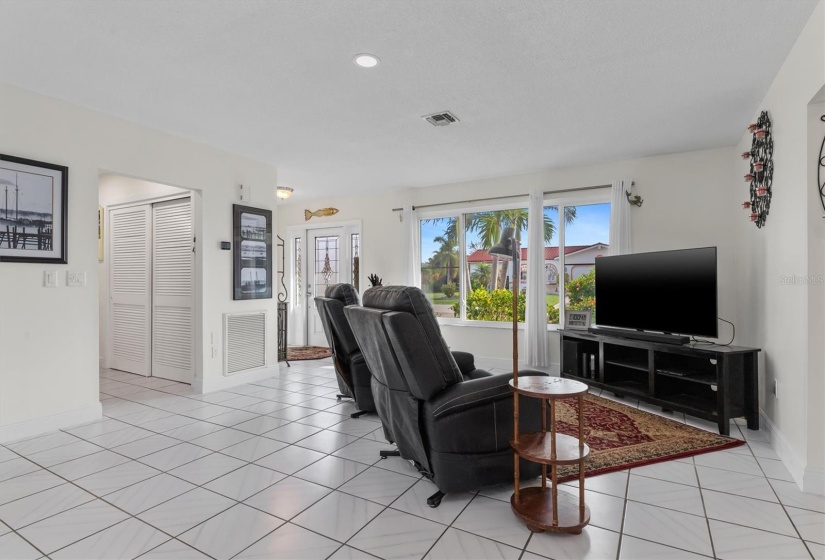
x=441, y=119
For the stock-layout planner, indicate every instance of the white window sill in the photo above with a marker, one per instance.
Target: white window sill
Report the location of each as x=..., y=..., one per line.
x=450, y=322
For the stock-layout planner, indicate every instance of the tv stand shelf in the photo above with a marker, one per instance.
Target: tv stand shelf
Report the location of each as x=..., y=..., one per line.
x=713, y=382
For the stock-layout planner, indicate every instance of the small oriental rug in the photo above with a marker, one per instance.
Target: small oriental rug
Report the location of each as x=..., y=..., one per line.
x=297, y=353
x=621, y=437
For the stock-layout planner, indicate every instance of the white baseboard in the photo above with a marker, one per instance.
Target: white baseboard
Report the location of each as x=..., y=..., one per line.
x=507, y=364
x=813, y=481
x=50, y=423
x=224, y=382
x=780, y=444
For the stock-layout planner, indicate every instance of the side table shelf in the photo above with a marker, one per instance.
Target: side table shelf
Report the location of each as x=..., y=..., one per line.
x=554, y=510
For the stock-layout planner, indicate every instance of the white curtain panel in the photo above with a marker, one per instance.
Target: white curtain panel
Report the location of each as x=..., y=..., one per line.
x=536, y=310
x=620, y=218
x=412, y=246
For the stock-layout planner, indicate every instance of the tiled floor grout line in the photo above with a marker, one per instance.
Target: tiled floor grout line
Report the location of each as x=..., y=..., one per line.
x=170, y=474
x=366, y=437
x=704, y=510
x=295, y=444
x=624, y=514
x=785, y=509
x=108, y=503
x=14, y=531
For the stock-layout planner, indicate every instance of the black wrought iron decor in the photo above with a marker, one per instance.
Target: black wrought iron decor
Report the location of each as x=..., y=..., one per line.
x=283, y=308
x=760, y=175
x=820, y=171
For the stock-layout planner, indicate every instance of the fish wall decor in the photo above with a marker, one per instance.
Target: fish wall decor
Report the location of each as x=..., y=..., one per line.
x=319, y=213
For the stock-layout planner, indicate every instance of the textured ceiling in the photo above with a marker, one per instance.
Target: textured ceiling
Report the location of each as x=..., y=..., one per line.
x=536, y=84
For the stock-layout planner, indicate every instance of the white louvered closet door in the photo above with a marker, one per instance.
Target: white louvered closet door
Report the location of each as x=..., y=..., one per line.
x=173, y=287
x=130, y=288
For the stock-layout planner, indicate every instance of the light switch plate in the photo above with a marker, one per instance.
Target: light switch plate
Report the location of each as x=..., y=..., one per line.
x=50, y=278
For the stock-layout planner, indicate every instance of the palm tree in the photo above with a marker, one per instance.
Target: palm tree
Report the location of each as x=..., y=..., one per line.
x=489, y=225
x=447, y=253
x=482, y=275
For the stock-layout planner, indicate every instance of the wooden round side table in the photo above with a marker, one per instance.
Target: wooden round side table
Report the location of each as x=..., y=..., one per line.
x=554, y=510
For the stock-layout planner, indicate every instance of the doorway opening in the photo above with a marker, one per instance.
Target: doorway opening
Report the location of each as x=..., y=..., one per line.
x=147, y=274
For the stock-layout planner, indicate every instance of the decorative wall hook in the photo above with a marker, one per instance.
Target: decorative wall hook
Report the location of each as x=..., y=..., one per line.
x=820, y=171
x=634, y=200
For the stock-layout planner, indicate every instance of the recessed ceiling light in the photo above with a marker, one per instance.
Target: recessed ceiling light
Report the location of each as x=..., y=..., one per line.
x=366, y=60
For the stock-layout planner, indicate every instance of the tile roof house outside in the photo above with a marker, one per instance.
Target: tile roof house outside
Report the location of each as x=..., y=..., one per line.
x=578, y=260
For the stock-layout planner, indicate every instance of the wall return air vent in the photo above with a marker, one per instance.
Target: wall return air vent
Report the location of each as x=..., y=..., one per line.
x=244, y=341
x=441, y=119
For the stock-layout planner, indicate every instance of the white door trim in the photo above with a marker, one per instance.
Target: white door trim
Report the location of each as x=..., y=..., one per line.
x=297, y=313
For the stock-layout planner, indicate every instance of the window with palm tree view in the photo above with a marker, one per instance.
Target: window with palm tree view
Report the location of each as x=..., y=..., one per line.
x=468, y=282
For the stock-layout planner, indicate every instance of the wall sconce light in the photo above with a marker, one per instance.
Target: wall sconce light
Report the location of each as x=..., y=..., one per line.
x=282, y=193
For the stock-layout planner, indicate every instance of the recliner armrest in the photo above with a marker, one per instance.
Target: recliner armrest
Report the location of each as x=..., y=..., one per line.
x=466, y=362
x=477, y=374
x=474, y=393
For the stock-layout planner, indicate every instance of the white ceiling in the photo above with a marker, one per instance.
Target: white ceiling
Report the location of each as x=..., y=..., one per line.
x=536, y=84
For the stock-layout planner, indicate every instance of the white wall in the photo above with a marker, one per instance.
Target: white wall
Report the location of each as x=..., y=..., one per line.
x=681, y=209
x=774, y=315
x=816, y=296
x=49, y=337
x=118, y=189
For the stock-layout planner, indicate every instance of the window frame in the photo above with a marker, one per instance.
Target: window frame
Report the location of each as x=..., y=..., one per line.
x=562, y=200
x=459, y=213
x=597, y=196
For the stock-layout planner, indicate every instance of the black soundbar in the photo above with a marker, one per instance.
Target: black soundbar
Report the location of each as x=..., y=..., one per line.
x=641, y=335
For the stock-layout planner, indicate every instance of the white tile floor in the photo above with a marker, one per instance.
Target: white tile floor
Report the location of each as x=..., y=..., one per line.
x=277, y=469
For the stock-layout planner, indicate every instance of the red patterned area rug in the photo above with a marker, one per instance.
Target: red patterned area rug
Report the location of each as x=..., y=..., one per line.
x=621, y=437
x=296, y=353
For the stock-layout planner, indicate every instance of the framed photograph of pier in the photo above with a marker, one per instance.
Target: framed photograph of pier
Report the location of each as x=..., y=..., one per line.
x=252, y=252
x=34, y=211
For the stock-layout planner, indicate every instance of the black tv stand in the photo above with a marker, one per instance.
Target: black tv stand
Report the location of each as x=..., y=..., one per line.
x=716, y=383
x=664, y=338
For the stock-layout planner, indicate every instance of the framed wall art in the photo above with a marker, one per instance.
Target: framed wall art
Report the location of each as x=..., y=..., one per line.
x=34, y=211
x=252, y=252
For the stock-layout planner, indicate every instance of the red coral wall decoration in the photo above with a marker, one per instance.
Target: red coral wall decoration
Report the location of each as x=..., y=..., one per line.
x=760, y=175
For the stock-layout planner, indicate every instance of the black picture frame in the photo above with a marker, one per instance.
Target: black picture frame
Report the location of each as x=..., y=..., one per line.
x=43, y=223
x=251, y=253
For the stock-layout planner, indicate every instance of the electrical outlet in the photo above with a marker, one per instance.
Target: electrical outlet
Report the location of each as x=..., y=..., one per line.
x=75, y=278
x=776, y=388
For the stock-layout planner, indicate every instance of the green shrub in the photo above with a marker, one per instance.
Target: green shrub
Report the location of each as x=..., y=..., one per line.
x=496, y=306
x=552, y=315
x=581, y=293
x=449, y=289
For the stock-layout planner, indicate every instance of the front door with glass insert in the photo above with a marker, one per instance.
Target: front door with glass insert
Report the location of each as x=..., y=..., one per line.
x=327, y=263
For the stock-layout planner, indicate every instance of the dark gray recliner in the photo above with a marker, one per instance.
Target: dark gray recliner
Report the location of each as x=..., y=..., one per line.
x=454, y=424
x=354, y=376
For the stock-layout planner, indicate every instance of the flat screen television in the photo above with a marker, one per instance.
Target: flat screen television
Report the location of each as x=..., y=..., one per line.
x=665, y=291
